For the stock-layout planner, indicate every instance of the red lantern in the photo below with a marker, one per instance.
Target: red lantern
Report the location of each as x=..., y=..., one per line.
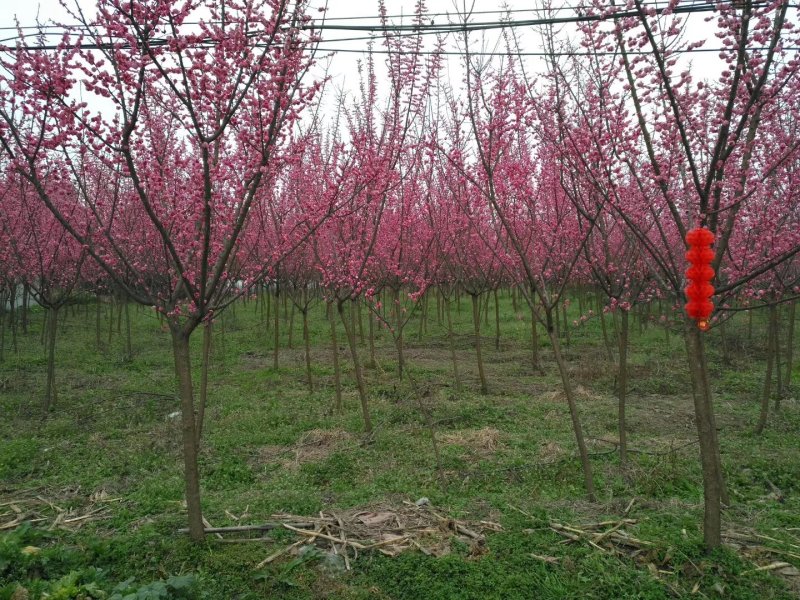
x=699, y=275
x=699, y=236
x=700, y=255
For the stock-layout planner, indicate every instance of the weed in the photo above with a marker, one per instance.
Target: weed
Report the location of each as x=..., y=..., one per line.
x=271, y=446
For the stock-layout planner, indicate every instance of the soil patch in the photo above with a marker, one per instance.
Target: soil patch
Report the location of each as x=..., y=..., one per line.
x=482, y=442
x=313, y=446
x=551, y=451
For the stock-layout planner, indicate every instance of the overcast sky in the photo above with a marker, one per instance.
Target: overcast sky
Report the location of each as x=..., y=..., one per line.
x=342, y=67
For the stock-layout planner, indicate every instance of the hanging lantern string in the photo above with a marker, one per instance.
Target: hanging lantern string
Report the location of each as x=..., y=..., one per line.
x=699, y=275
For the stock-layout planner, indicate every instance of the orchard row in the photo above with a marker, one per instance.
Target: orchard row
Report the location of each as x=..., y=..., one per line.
x=187, y=165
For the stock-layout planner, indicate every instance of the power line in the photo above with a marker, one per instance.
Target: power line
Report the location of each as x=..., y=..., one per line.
x=501, y=24
x=422, y=29
x=498, y=11
x=541, y=54
x=329, y=19
x=326, y=19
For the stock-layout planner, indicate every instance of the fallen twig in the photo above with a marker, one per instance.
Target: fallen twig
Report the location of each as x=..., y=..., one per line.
x=243, y=540
x=241, y=528
x=92, y=515
x=314, y=534
x=769, y=567
x=50, y=504
x=386, y=529
x=468, y=532
x=278, y=554
x=629, y=507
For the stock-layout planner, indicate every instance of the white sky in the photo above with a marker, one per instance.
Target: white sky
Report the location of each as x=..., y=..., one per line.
x=343, y=65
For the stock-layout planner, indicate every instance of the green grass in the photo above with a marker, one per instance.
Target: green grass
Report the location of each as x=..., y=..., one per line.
x=110, y=433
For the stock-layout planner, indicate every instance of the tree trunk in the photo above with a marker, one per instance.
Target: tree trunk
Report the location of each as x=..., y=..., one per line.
x=13, y=319
x=183, y=373
x=128, y=339
x=606, y=341
x=622, y=391
x=97, y=323
x=452, y=343
x=337, y=373
x=476, y=321
x=496, y=322
x=69, y=311
x=119, y=317
x=268, y=300
x=110, y=319
x=713, y=485
x=537, y=366
x=360, y=323
x=45, y=331
x=615, y=329
x=50, y=395
x=776, y=350
x=566, y=321
x=425, y=299
x=640, y=315
x=349, y=329
x=583, y=453
x=398, y=333
x=291, y=327
x=206, y=360
x=263, y=295
x=24, y=313
x=767, y=390
x=307, y=343
x=2, y=329
x=277, y=336
x=434, y=444
x=789, y=348
x=423, y=313
x=371, y=319
x=726, y=355
x=557, y=322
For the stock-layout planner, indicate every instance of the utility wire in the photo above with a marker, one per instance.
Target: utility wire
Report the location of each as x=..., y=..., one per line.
x=421, y=29
x=337, y=19
x=502, y=24
x=543, y=54
x=427, y=15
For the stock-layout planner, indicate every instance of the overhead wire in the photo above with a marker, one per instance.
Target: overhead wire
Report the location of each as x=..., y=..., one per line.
x=542, y=54
x=419, y=29
x=499, y=11
x=329, y=19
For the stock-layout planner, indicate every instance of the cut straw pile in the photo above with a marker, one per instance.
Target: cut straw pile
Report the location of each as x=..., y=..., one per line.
x=389, y=529
x=52, y=513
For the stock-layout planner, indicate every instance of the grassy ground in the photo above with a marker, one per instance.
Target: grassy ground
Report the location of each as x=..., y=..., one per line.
x=270, y=445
